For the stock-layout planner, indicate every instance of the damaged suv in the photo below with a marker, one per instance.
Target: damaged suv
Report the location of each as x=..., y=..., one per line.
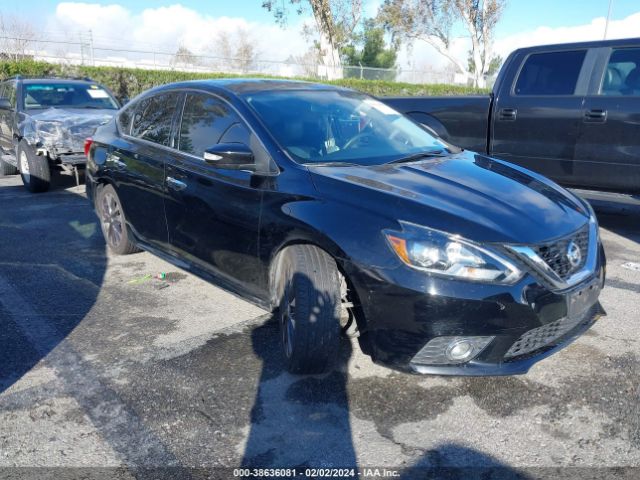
x=343, y=216
x=43, y=124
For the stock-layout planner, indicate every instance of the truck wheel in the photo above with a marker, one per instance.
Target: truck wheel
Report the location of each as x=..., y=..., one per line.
x=34, y=169
x=112, y=221
x=309, y=309
x=7, y=169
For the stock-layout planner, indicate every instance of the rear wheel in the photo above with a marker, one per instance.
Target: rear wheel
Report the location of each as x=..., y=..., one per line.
x=112, y=222
x=309, y=309
x=34, y=169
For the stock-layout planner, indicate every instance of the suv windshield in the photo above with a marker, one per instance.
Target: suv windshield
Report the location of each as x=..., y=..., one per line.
x=321, y=126
x=67, y=95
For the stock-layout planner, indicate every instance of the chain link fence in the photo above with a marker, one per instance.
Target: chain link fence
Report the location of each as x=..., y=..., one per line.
x=84, y=52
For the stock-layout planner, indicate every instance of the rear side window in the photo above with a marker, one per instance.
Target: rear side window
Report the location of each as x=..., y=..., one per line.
x=622, y=76
x=8, y=91
x=153, y=118
x=124, y=119
x=554, y=73
x=204, y=120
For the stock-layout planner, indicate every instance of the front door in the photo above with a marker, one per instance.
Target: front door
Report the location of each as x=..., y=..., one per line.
x=536, y=120
x=213, y=214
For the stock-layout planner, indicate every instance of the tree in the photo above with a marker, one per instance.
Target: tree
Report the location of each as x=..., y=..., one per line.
x=184, y=57
x=373, y=51
x=15, y=37
x=432, y=21
x=237, y=50
x=335, y=21
x=494, y=64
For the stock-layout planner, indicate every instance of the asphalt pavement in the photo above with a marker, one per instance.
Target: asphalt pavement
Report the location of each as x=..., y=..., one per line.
x=110, y=366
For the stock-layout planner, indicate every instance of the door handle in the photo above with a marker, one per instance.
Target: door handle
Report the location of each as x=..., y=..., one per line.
x=176, y=184
x=509, y=114
x=595, y=115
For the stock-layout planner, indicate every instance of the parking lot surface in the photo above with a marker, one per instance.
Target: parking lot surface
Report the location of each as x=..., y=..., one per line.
x=105, y=362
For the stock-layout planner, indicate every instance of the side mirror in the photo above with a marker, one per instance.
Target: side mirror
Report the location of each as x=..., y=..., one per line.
x=232, y=156
x=5, y=104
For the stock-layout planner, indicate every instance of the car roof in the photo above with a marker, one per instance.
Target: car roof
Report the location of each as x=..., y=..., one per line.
x=241, y=86
x=79, y=81
x=624, y=42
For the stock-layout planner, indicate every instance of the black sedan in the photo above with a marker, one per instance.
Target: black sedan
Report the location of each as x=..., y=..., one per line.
x=347, y=218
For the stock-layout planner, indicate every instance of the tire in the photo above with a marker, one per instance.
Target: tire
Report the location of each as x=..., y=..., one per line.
x=309, y=309
x=34, y=169
x=7, y=169
x=113, y=223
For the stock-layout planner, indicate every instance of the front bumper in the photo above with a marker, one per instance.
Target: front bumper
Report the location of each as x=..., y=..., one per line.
x=404, y=309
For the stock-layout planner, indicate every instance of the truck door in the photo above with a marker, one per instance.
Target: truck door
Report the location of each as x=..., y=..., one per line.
x=608, y=147
x=538, y=111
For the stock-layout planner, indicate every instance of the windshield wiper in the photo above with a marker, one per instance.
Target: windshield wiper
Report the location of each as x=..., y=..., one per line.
x=417, y=156
x=331, y=164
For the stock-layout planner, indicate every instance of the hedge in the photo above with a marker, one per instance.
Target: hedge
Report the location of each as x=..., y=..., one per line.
x=128, y=82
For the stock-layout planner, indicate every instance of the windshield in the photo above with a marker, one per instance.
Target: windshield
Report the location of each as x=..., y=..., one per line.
x=67, y=95
x=320, y=126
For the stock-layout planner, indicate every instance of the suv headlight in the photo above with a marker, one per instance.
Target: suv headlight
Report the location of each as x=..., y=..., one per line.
x=450, y=255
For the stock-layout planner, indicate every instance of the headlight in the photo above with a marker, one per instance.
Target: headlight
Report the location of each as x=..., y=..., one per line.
x=450, y=255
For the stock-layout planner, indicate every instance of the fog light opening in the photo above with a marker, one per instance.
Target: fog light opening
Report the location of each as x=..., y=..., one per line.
x=453, y=350
x=460, y=350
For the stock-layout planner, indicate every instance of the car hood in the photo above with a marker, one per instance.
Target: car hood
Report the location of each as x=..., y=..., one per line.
x=472, y=195
x=63, y=129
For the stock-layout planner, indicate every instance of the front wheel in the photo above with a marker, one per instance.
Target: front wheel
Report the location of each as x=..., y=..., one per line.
x=112, y=222
x=34, y=169
x=309, y=309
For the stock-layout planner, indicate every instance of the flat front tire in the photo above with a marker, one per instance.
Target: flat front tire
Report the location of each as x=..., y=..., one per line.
x=112, y=222
x=309, y=309
x=34, y=169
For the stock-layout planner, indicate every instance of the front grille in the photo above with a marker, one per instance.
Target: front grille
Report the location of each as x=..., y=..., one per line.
x=555, y=253
x=545, y=337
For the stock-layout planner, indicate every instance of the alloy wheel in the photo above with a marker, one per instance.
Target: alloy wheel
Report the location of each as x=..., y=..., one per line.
x=112, y=223
x=288, y=322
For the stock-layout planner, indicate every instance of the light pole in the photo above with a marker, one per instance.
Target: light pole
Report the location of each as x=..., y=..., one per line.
x=606, y=25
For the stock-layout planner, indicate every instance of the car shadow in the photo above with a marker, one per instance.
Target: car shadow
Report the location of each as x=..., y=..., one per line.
x=452, y=461
x=298, y=421
x=52, y=264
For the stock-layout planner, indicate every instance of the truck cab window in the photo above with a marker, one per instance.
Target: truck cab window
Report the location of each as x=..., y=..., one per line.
x=554, y=73
x=622, y=75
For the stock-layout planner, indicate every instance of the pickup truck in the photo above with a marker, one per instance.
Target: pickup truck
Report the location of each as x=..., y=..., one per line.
x=570, y=112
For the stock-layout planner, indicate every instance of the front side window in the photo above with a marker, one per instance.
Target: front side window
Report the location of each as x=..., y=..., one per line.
x=153, y=118
x=622, y=76
x=318, y=126
x=204, y=120
x=67, y=95
x=554, y=73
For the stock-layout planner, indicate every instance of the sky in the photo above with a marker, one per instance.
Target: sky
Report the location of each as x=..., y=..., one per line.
x=146, y=24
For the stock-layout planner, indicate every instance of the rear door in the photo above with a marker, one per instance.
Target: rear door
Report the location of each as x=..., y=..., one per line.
x=608, y=148
x=137, y=163
x=213, y=214
x=538, y=112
